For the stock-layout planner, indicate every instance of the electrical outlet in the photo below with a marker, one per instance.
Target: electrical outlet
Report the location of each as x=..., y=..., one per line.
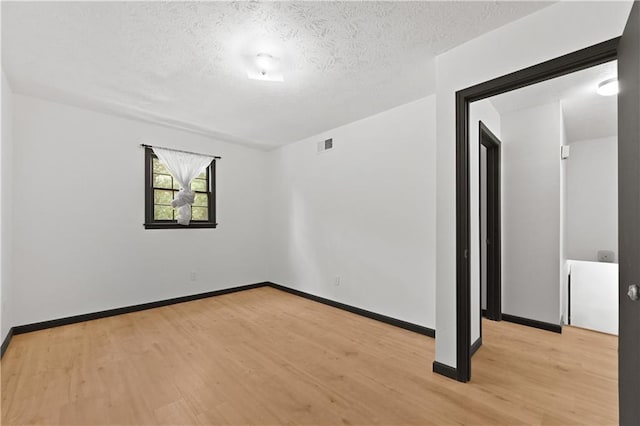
x=194, y=276
x=336, y=281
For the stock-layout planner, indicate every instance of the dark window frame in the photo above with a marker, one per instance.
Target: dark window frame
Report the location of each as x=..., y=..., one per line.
x=152, y=223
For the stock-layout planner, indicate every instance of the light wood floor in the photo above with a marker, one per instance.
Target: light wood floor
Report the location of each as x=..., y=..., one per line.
x=267, y=357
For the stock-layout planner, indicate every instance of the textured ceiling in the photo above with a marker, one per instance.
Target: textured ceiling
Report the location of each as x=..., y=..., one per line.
x=587, y=115
x=184, y=63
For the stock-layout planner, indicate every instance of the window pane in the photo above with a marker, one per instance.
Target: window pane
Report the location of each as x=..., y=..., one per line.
x=162, y=181
x=161, y=196
x=158, y=167
x=162, y=212
x=201, y=200
x=199, y=213
x=202, y=175
x=176, y=185
x=199, y=185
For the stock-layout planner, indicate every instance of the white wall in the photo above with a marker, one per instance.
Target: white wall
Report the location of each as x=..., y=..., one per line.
x=485, y=112
x=363, y=211
x=553, y=31
x=592, y=198
x=6, y=207
x=79, y=243
x=531, y=221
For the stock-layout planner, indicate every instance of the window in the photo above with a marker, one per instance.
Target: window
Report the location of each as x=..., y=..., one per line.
x=161, y=188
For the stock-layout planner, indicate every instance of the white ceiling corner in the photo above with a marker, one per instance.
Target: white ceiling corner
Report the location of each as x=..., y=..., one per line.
x=183, y=63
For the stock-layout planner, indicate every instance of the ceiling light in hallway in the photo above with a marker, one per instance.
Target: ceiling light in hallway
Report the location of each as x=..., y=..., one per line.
x=608, y=87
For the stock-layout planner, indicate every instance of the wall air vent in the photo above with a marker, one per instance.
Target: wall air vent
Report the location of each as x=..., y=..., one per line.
x=325, y=145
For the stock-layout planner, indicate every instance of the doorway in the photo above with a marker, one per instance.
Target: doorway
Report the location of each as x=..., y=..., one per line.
x=626, y=49
x=576, y=61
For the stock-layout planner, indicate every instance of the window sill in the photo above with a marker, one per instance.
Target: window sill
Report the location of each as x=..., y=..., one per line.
x=192, y=225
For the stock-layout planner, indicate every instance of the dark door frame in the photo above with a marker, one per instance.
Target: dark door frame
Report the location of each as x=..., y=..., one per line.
x=628, y=208
x=494, y=226
x=572, y=62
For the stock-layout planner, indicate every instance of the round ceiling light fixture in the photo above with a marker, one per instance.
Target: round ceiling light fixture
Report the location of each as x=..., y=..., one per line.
x=265, y=63
x=264, y=67
x=608, y=87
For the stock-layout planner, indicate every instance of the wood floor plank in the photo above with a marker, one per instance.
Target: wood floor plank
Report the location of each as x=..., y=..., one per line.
x=265, y=357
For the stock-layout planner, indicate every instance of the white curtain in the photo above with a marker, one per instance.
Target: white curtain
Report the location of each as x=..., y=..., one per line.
x=184, y=167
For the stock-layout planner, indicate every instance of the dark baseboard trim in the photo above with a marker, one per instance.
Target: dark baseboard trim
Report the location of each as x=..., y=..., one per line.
x=445, y=370
x=27, y=328
x=128, y=309
x=532, y=323
x=5, y=343
x=378, y=317
x=476, y=345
